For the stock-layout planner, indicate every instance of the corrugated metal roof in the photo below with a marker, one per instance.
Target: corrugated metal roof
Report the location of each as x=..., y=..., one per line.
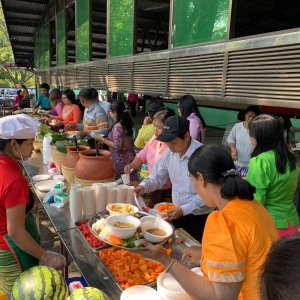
x=22, y=18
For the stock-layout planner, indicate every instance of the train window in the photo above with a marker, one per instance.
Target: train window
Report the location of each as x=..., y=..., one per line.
x=151, y=25
x=263, y=16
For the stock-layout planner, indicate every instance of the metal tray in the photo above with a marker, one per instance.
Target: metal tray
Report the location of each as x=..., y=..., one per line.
x=151, y=284
x=95, y=249
x=104, y=214
x=177, y=253
x=178, y=249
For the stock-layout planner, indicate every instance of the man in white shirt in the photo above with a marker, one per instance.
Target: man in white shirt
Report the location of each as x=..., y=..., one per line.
x=190, y=213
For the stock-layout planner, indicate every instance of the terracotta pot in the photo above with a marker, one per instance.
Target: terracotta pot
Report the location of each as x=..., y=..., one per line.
x=92, y=167
x=73, y=155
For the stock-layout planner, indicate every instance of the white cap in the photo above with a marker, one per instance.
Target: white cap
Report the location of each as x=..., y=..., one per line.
x=19, y=126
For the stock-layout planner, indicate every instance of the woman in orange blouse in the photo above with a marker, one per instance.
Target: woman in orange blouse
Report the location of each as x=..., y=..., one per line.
x=237, y=236
x=71, y=113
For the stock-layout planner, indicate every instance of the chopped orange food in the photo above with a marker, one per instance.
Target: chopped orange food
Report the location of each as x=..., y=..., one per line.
x=165, y=207
x=179, y=241
x=169, y=251
x=170, y=240
x=130, y=268
x=113, y=239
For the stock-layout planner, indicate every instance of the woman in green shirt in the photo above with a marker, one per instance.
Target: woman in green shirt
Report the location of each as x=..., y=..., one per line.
x=273, y=170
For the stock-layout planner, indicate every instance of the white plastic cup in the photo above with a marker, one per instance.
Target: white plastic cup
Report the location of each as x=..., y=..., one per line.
x=100, y=196
x=111, y=194
x=130, y=192
x=121, y=194
x=125, y=178
x=89, y=204
x=47, y=149
x=76, y=203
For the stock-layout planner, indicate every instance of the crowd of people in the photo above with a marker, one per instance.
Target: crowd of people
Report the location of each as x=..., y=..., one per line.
x=236, y=218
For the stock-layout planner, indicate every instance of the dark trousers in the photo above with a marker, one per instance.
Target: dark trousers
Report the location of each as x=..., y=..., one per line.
x=132, y=108
x=192, y=224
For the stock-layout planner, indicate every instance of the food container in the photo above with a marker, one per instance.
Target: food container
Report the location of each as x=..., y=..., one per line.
x=129, y=268
x=123, y=233
x=169, y=288
x=138, y=292
x=85, y=233
x=121, y=209
x=168, y=207
x=178, y=244
x=157, y=224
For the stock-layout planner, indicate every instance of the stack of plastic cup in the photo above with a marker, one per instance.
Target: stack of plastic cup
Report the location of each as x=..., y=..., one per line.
x=111, y=194
x=76, y=202
x=130, y=192
x=121, y=194
x=100, y=196
x=89, y=204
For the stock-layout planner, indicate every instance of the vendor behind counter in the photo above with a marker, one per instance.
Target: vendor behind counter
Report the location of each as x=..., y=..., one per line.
x=19, y=238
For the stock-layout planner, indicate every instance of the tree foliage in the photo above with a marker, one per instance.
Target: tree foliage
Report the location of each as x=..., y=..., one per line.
x=9, y=77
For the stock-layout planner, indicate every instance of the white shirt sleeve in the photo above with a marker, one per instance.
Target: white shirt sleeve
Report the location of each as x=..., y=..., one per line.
x=232, y=135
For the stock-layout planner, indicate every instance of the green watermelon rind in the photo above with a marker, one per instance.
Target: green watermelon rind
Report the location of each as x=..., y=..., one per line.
x=88, y=293
x=46, y=279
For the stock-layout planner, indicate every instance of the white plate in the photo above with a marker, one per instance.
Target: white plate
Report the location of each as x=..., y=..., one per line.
x=46, y=185
x=140, y=292
x=28, y=110
x=41, y=177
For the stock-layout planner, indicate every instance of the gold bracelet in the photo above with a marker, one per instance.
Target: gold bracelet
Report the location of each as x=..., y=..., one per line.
x=173, y=261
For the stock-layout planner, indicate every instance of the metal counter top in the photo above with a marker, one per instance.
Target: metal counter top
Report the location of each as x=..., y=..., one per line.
x=90, y=267
x=59, y=217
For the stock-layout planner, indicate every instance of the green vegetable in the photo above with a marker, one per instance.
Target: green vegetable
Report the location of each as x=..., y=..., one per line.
x=44, y=129
x=61, y=146
x=133, y=242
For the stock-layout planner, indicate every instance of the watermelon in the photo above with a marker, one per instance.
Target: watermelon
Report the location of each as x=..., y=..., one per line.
x=39, y=283
x=88, y=293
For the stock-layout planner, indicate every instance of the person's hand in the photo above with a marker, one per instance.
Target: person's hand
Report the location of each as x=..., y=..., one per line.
x=192, y=254
x=147, y=121
x=70, y=127
x=234, y=154
x=127, y=169
x=53, y=259
x=134, y=183
x=139, y=190
x=175, y=213
x=82, y=133
x=155, y=252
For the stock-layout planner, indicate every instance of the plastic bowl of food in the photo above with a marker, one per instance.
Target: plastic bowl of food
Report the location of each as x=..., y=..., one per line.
x=121, y=209
x=155, y=229
x=163, y=208
x=123, y=226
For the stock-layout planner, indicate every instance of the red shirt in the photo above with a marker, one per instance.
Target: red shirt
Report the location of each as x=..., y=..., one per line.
x=14, y=191
x=133, y=97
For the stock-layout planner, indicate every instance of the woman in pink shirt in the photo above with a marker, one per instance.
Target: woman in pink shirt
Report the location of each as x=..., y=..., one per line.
x=187, y=107
x=153, y=151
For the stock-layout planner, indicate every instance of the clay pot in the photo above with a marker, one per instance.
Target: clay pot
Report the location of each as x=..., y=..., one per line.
x=73, y=155
x=92, y=167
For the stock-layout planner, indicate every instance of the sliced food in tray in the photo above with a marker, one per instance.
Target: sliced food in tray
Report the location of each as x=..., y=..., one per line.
x=130, y=268
x=88, y=237
x=126, y=231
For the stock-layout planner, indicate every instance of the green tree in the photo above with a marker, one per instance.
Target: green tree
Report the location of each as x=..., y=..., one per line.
x=9, y=77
